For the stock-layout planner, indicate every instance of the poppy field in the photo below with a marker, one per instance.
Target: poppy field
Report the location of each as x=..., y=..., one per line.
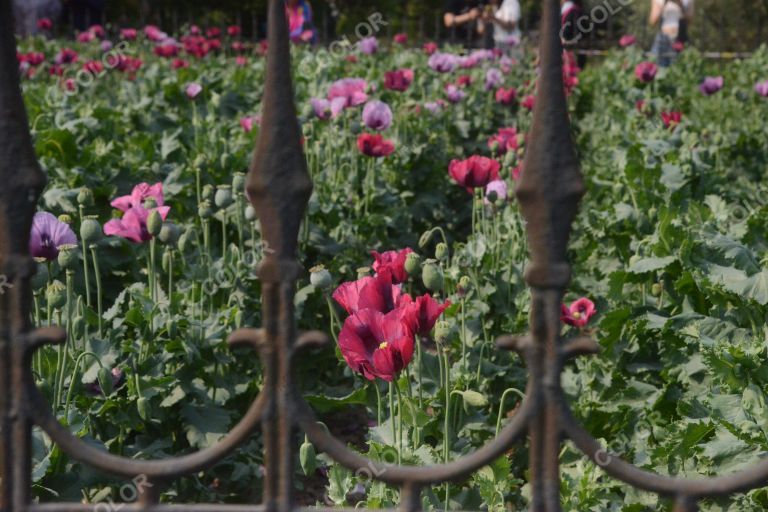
x=414, y=249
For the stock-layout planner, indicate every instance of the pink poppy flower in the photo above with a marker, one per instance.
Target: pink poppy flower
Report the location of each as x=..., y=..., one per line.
x=761, y=88
x=671, y=119
x=398, y=80
x=496, y=188
x=505, y=140
x=325, y=109
x=646, y=71
x=506, y=96
x=425, y=311
x=579, y=312
x=128, y=34
x=371, y=292
x=247, y=123
x=529, y=102
x=193, y=90
x=401, y=38
x=45, y=24
x=429, y=48
x=377, y=345
x=711, y=85
x=627, y=40
x=474, y=172
x=394, y=262
x=351, y=89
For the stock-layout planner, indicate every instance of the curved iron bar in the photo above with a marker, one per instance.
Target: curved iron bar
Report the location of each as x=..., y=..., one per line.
x=165, y=469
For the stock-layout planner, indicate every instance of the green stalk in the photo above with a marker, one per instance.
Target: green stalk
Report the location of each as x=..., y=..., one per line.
x=463, y=337
x=74, y=376
x=501, y=406
x=99, y=293
x=170, y=278
x=224, y=236
x=378, y=402
x=85, y=268
x=392, y=417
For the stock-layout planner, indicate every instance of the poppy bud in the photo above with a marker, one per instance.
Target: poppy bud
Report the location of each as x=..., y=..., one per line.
x=441, y=251
x=363, y=272
x=169, y=233
x=432, y=275
x=412, y=263
x=90, y=230
x=199, y=162
x=143, y=407
x=238, y=183
x=68, y=256
x=223, y=198
x=66, y=219
x=204, y=210
x=167, y=256
x=77, y=325
x=442, y=331
x=355, y=128
x=656, y=289
x=85, y=197
x=308, y=458
x=40, y=279
x=250, y=213
x=185, y=240
x=150, y=203
x=208, y=192
x=56, y=295
x=320, y=277
x=105, y=381
x=154, y=223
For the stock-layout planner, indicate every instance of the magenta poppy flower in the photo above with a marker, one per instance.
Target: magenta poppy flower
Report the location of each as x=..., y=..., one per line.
x=325, y=109
x=401, y=38
x=429, y=48
x=193, y=90
x=671, y=119
x=454, y=94
x=371, y=292
x=48, y=235
x=442, y=62
x=529, y=102
x=247, y=122
x=398, y=80
x=233, y=31
x=128, y=34
x=711, y=85
x=374, y=145
x=377, y=345
x=133, y=225
x=351, y=89
x=474, y=172
x=506, y=139
x=377, y=115
x=762, y=88
x=435, y=106
x=627, y=40
x=179, y=64
x=67, y=56
x=506, y=96
x=368, y=45
x=394, y=261
x=44, y=24
x=425, y=311
x=579, y=312
x=154, y=33
x=646, y=71
x=139, y=195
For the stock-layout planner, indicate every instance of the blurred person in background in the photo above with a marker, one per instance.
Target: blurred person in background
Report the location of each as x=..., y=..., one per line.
x=502, y=17
x=462, y=18
x=301, y=25
x=673, y=18
x=27, y=13
x=571, y=13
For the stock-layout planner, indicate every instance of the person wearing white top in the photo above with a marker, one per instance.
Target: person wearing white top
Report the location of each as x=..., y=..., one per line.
x=673, y=16
x=505, y=17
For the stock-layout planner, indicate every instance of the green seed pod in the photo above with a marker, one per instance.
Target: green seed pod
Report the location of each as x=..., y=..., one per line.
x=363, y=272
x=167, y=256
x=308, y=458
x=154, y=223
x=78, y=325
x=320, y=277
x=465, y=283
x=105, y=381
x=442, y=331
x=199, y=162
x=492, y=197
x=66, y=219
x=250, y=213
x=432, y=275
x=656, y=289
x=68, y=257
x=238, y=183
x=169, y=233
x=90, y=230
x=441, y=251
x=224, y=197
x=208, y=192
x=40, y=279
x=412, y=263
x=150, y=203
x=142, y=405
x=238, y=318
x=204, y=210
x=186, y=239
x=85, y=197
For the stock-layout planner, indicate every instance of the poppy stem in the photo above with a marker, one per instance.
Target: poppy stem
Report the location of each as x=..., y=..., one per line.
x=378, y=402
x=399, y=423
x=392, y=417
x=99, y=294
x=85, y=267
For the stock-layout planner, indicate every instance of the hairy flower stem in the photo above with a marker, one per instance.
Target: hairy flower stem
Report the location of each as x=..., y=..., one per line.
x=399, y=424
x=501, y=406
x=419, y=371
x=78, y=362
x=239, y=219
x=463, y=337
x=378, y=402
x=99, y=293
x=335, y=322
x=170, y=277
x=86, y=273
x=224, y=236
x=392, y=417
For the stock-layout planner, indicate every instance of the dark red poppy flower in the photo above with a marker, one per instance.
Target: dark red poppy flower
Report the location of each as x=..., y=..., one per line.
x=394, y=261
x=579, y=313
x=474, y=172
x=374, y=145
x=398, y=80
x=504, y=140
x=671, y=119
x=424, y=314
x=377, y=293
x=377, y=345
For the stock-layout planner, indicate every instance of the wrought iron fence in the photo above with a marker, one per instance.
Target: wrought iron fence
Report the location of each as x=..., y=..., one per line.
x=279, y=187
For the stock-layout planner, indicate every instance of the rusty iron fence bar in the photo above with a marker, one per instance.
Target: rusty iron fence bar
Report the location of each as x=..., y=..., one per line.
x=279, y=187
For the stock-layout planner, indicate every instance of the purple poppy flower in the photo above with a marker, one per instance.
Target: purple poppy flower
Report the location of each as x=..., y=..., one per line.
x=434, y=106
x=325, y=109
x=48, y=235
x=762, y=88
x=442, y=62
x=377, y=115
x=193, y=89
x=454, y=94
x=368, y=45
x=497, y=188
x=493, y=79
x=711, y=85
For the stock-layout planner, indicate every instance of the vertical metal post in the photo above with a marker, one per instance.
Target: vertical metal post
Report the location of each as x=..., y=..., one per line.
x=279, y=188
x=549, y=193
x=22, y=182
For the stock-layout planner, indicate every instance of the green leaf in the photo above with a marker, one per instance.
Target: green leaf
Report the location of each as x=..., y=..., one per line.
x=205, y=426
x=651, y=265
x=324, y=403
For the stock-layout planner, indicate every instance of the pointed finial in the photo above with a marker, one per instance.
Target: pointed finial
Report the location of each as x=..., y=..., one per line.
x=551, y=185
